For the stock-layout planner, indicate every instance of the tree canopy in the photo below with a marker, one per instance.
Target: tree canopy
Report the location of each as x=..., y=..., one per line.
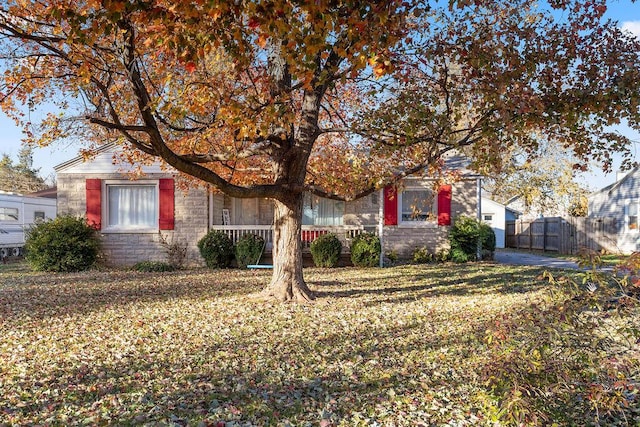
x=20, y=176
x=545, y=182
x=338, y=98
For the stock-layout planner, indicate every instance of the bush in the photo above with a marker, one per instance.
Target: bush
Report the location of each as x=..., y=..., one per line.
x=153, y=266
x=365, y=250
x=458, y=256
x=176, y=251
x=217, y=249
x=63, y=244
x=443, y=255
x=249, y=249
x=391, y=257
x=464, y=235
x=326, y=250
x=422, y=256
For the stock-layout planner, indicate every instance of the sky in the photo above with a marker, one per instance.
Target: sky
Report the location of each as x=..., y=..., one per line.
x=44, y=159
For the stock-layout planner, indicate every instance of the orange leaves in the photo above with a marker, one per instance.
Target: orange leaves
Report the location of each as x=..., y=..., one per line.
x=190, y=66
x=262, y=40
x=380, y=66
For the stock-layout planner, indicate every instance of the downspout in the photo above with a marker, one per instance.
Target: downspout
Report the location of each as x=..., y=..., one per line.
x=381, y=224
x=210, y=205
x=479, y=215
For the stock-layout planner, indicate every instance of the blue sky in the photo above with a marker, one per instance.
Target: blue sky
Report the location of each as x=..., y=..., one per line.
x=624, y=11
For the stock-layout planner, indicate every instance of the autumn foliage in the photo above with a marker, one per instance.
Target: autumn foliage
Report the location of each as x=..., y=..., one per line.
x=477, y=345
x=275, y=98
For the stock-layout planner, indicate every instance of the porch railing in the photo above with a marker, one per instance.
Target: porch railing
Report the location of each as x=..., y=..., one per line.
x=309, y=233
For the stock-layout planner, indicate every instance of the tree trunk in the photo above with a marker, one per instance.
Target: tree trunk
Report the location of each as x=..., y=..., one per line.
x=287, y=283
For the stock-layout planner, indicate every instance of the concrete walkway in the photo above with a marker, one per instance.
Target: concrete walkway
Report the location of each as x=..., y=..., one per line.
x=524, y=258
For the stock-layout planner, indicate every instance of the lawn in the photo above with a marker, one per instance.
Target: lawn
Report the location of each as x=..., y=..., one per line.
x=404, y=346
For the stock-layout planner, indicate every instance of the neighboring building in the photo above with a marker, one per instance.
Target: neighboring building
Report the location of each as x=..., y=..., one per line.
x=620, y=200
x=494, y=214
x=131, y=214
x=18, y=212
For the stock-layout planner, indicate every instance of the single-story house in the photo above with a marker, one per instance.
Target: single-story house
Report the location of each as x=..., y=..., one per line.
x=620, y=200
x=132, y=213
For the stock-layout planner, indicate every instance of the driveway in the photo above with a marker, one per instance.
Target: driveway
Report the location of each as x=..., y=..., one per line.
x=524, y=258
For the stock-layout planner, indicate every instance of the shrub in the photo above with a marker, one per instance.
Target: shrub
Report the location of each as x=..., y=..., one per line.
x=392, y=257
x=422, y=256
x=152, y=266
x=176, y=251
x=459, y=256
x=488, y=238
x=365, y=250
x=326, y=250
x=464, y=235
x=217, y=249
x=249, y=249
x=63, y=244
x=443, y=255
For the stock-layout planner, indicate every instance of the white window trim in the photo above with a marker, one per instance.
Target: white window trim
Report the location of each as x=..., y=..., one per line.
x=627, y=227
x=417, y=224
x=492, y=215
x=128, y=230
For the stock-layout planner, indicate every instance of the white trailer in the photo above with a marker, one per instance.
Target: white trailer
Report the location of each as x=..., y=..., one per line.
x=17, y=213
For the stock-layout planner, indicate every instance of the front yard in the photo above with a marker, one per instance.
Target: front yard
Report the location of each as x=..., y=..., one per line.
x=412, y=345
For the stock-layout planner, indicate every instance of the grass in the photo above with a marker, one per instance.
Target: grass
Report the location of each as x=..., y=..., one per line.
x=401, y=346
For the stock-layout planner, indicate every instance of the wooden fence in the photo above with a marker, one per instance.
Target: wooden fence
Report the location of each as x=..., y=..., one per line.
x=563, y=235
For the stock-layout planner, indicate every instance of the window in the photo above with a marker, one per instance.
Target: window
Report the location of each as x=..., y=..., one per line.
x=418, y=205
x=319, y=211
x=132, y=206
x=245, y=212
x=487, y=217
x=38, y=216
x=8, y=214
x=632, y=214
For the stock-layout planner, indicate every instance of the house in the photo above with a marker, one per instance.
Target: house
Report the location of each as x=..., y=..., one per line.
x=133, y=214
x=621, y=201
x=496, y=215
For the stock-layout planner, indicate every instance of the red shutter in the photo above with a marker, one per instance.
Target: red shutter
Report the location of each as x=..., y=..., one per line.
x=167, y=204
x=94, y=203
x=444, y=205
x=390, y=206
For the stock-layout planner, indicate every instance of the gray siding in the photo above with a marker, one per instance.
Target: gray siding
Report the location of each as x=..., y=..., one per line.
x=612, y=202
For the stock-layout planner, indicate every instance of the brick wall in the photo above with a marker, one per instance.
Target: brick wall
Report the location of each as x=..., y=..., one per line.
x=405, y=239
x=123, y=249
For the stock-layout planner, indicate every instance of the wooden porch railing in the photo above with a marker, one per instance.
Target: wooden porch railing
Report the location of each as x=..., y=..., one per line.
x=309, y=233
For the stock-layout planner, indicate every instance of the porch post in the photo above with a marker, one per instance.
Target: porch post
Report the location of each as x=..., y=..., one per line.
x=381, y=224
x=479, y=214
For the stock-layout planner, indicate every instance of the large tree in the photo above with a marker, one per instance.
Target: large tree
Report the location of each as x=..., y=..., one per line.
x=338, y=98
x=545, y=181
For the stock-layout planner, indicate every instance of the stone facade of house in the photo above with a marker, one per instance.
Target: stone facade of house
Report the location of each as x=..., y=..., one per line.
x=191, y=222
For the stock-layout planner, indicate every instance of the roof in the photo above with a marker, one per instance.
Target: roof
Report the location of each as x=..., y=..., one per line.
x=453, y=162
x=48, y=193
x=609, y=188
x=109, y=146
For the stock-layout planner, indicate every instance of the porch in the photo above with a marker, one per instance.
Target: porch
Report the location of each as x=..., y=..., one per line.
x=345, y=233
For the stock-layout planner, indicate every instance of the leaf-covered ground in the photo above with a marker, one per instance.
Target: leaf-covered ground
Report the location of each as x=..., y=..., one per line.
x=401, y=346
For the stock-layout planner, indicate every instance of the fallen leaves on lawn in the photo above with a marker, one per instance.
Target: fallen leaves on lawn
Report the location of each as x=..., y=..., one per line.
x=402, y=346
